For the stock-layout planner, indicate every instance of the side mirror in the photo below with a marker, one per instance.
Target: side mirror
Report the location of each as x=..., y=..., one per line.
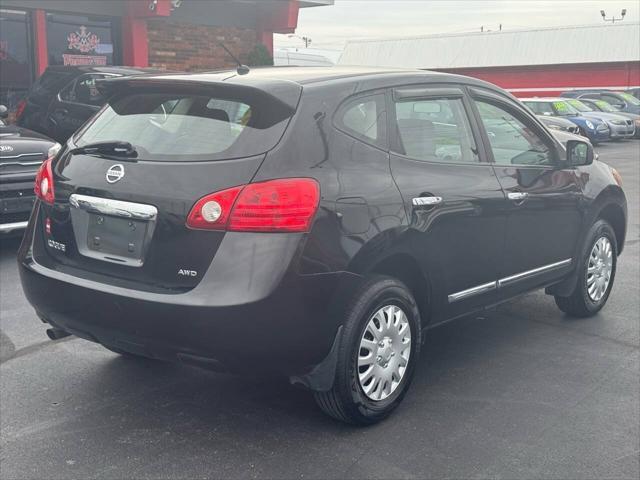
x=579, y=153
x=4, y=111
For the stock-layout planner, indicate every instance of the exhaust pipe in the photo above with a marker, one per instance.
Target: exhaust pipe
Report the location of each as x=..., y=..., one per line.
x=56, y=333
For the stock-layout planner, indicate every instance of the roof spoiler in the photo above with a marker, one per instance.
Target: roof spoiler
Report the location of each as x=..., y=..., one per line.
x=283, y=91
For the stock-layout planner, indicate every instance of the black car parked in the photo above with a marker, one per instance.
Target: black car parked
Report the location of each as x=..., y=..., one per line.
x=314, y=222
x=65, y=97
x=21, y=154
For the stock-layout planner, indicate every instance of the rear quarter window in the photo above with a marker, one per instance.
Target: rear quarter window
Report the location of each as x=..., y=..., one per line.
x=365, y=118
x=174, y=127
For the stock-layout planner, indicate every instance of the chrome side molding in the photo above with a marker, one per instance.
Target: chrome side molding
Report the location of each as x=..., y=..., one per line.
x=454, y=297
x=504, y=282
x=529, y=273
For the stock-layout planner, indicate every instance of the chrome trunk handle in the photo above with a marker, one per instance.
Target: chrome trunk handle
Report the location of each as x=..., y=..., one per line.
x=116, y=208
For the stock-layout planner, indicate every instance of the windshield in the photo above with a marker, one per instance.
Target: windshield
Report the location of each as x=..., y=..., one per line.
x=564, y=109
x=605, y=106
x=629, y=98
x=187, y=127
x=578, y=105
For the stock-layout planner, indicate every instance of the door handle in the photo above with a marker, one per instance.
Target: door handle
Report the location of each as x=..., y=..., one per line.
x=426, y=201
x=518, y=197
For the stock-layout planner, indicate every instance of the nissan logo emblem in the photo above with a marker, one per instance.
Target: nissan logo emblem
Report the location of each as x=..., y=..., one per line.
x=115, y=173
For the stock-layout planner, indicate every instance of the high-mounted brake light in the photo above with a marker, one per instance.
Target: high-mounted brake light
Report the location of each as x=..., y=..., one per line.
x=282, y=205
x=44, y=178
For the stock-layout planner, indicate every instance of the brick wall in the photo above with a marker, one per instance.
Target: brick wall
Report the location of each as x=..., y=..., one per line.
x=191, y=48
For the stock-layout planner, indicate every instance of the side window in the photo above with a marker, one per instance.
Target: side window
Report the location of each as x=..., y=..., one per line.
x=435, y=130
x=512, y=142
x=365, y=117
x=84, y=91
x=541, y=108
x=613, y=100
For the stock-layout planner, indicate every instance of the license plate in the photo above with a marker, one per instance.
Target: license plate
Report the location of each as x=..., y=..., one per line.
x=16, y=205
x=120, y=237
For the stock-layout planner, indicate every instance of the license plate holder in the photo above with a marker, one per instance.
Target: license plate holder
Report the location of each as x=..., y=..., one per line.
x=112, y=230
x=116, y=237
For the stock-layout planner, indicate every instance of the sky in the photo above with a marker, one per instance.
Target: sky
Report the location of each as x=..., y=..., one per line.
x=329, y=27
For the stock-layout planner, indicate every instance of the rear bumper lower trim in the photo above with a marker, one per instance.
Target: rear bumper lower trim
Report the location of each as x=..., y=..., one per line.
x=10, y=227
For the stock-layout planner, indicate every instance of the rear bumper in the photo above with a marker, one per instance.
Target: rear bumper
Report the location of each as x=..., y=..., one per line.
x=288, y=325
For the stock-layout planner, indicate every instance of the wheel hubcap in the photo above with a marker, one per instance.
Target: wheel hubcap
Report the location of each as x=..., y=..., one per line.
x=384, y=352
x=599, y=269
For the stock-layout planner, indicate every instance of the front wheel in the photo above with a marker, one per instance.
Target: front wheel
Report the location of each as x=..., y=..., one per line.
x=596, y=273
x=377, y=354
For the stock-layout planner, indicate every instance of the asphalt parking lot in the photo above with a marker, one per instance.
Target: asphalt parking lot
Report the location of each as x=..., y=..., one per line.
x=524, y=392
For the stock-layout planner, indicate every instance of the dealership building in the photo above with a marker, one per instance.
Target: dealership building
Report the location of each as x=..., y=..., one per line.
x=168, y=34
x=536, y=62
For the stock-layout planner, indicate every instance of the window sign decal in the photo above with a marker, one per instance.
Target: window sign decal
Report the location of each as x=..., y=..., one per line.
x=76, y=60
x=84, y=40
x=561, y=107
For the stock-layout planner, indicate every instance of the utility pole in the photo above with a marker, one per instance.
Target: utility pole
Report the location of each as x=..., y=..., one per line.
x=613, y=18
x=306, y=40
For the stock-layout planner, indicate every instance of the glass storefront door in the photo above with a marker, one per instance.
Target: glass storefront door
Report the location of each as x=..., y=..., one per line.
x=81, y=40
x=16, y=58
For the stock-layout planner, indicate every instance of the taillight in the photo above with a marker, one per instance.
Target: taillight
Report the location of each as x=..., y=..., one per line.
x=283, y=205
x=20, y=108
x=212, y=212
x=44, y=178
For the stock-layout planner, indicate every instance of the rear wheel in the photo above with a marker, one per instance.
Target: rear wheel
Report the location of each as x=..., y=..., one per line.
x=596, y=273
x=377, y=354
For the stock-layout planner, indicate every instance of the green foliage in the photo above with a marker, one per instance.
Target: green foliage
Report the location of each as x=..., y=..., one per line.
x=259, y=56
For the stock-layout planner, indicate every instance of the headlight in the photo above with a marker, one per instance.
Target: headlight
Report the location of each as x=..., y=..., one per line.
x=618, y=122
x=589, y=124
x=616, y=176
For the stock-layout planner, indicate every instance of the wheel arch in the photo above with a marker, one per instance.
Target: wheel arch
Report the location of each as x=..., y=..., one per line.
x=614, y=214
x=404, y=267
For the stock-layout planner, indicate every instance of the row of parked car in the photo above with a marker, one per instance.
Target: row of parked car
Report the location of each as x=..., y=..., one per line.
x=64, y=98
x=600, y=115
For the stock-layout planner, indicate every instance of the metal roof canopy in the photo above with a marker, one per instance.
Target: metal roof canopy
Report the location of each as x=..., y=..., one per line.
x=543, y=46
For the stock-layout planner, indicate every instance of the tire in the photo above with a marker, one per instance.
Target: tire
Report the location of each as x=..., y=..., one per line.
x=582, y=302
x=347, y=400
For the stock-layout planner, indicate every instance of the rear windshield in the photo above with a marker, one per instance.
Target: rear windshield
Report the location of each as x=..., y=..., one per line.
x=188, y=127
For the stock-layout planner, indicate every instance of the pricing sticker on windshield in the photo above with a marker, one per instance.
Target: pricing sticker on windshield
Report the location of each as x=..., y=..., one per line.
x=561, y=107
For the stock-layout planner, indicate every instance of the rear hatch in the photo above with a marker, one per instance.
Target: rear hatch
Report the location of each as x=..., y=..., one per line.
x=119, y=214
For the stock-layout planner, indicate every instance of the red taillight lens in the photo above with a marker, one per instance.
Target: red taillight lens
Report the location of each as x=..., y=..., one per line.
x=44, y=182
x=203, y=214
x=20, y=108
x=283, y=205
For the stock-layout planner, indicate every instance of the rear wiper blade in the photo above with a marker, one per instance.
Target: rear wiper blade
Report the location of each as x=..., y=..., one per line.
x=118, y=149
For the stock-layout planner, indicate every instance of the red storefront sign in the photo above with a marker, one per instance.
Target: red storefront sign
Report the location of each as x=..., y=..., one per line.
x=76, y=60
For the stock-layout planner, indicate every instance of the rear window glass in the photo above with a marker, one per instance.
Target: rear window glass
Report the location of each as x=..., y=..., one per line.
x=630, y=98
x=174, y=127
